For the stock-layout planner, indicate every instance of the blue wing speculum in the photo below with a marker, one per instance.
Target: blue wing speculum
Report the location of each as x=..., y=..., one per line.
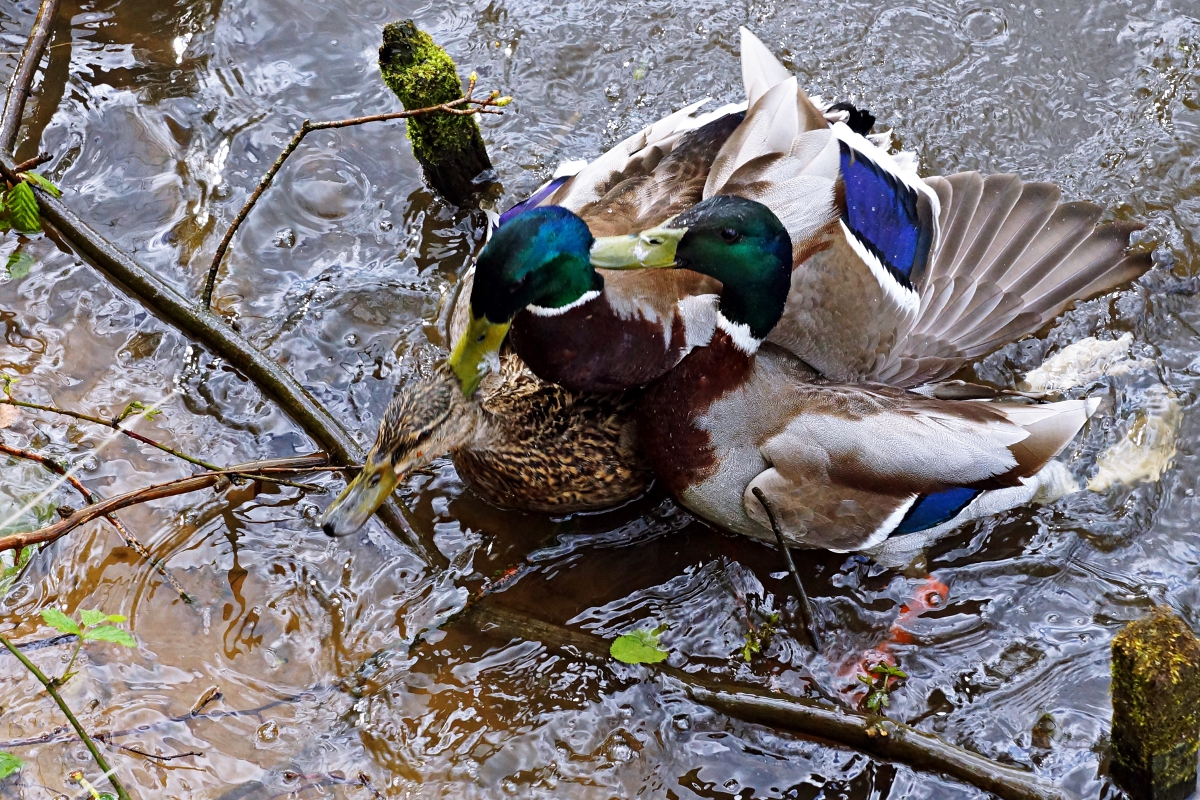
x=881, y=213
x=932, y=510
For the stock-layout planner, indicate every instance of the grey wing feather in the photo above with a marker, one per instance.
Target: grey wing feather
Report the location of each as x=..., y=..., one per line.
x=1012, y=258
x=842, y=475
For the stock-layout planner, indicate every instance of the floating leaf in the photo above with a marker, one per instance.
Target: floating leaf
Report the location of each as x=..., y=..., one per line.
x=18, y=265
x=8, y=415
x=9, y=764
x=59, y=621
x=107, y=633
x=23, y=209
x=639, y=647
x=42, y=182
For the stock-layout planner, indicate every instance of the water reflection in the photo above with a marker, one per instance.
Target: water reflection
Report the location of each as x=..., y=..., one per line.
x=161, y=119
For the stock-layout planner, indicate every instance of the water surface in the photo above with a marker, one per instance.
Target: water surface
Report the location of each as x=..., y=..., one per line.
x=162, y=116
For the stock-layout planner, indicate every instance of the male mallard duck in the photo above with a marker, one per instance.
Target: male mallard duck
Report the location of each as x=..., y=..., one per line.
x=843, y=466
x=905, y=280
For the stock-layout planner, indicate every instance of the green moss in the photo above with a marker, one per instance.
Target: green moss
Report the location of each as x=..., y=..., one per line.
x=1156, y=701
x=423, y=75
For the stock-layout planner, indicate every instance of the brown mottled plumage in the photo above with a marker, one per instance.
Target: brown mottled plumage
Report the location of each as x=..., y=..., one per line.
x=539, y=447
x=580, y=446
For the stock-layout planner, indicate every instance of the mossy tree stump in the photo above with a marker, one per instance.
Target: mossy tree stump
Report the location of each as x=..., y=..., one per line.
x=1156, y=707
x=449, y=147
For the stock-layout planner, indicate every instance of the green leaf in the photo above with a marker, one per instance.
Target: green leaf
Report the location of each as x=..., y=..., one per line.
x=9, y=764
x=882, y=668
x=639, y=647
x=92, y=616
x=43, y=183
x=9, y=576
x=107, y=633
x=23, y=208
x=18, y=266
x=59, y=621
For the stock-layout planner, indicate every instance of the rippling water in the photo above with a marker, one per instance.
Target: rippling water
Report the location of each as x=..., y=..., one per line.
x=162, y=116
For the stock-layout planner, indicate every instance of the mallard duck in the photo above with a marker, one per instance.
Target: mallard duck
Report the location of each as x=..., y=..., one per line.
x=1011, y=258
x=905, y=280
x=520, y=442
x=842, y=466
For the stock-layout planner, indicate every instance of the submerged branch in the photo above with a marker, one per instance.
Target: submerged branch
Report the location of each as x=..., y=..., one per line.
x=22, y=82
x=60, y=736
x=193, y=483
x=50, y=688
x=463, y=106
x=876, y=736
x=90, y=498
x=33, y=163
x=115, y=424
x=217, y=336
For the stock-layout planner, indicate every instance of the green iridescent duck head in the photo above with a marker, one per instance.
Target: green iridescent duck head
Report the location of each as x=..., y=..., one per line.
x=540, y=260
x=739, y=242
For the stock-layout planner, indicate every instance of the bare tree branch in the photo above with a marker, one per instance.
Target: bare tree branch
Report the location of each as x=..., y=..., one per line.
x=22, y=82
x=873, y=735
x=193, y=483
x=472, y=106
x=115, y=424
x=218, y=337
x=33, y=163
x=91, y=499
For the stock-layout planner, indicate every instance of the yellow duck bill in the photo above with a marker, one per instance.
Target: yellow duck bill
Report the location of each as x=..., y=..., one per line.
x=479, y=342
x=354, y=506
x=649, y=249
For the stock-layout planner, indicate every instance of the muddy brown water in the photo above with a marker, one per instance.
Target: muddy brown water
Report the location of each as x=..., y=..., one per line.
x=162, y=116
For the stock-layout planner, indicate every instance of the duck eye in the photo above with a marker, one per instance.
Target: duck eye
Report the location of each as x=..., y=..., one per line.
x=730, y=235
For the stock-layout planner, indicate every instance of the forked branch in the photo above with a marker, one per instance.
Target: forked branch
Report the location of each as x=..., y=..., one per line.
x=463, y=106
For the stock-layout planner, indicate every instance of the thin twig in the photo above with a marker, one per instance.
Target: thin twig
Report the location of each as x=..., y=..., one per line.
x=193, y=483
x=115, y=424
x=32, y=163
x=218, y=337
x=144, y=754
x=91, y=499
x=806, y=614
x=22, y=82
x=485, y=106
x=53, y=692
x=50, y=641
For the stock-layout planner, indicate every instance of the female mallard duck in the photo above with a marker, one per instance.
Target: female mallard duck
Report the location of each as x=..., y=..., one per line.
x=905, y=280
x=843, y=466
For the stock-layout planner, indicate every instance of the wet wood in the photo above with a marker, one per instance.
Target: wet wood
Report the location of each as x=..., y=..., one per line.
x=22, y=82
x=873, y=735
x=193, y=483
x=1156, y=707
x=450, y=148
